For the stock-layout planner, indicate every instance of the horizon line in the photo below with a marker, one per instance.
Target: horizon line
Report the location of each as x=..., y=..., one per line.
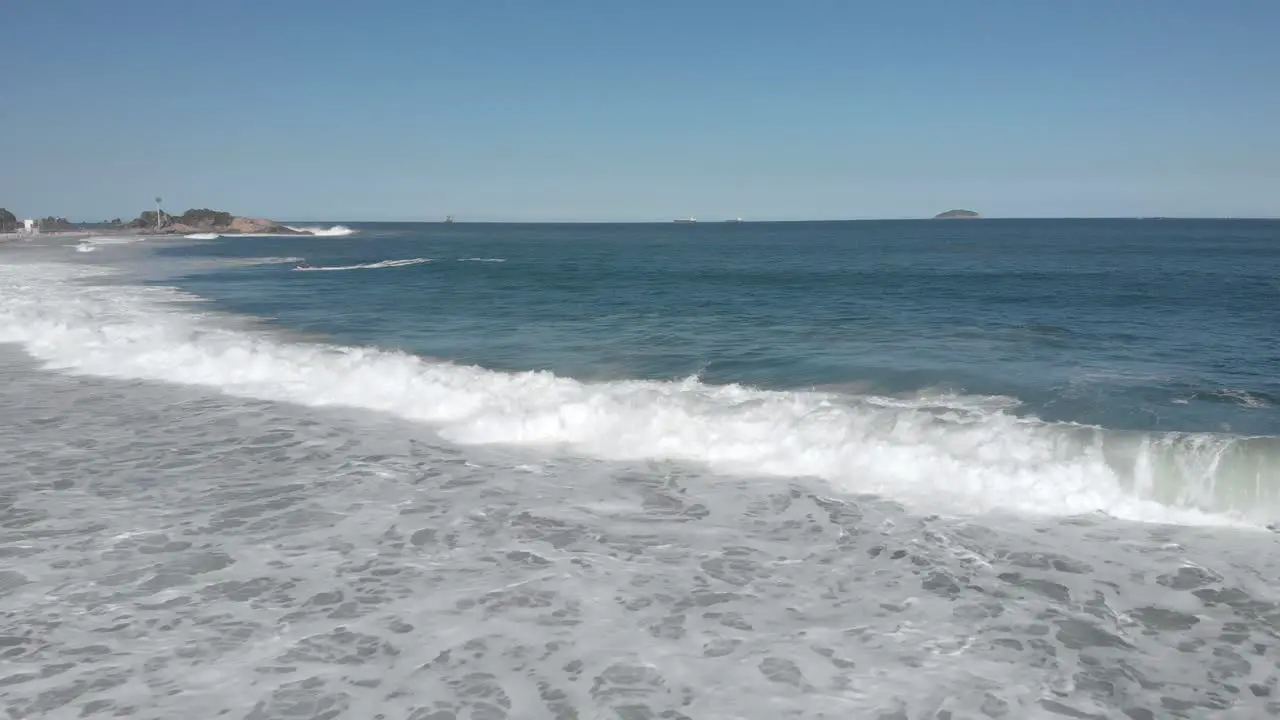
x=736, y=221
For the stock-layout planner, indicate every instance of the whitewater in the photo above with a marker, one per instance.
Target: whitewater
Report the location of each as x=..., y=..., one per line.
x=206, y=514
x=365, y=266
x=940, y=455
x=310, y=230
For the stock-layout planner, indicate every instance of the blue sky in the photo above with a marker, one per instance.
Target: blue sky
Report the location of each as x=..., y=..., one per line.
x=612, y=110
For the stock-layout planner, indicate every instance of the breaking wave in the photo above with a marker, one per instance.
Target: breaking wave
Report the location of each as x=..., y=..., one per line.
x=365, y=266
x=945, y=452
x=93, y=242
x=244, y=262
x=335, y=231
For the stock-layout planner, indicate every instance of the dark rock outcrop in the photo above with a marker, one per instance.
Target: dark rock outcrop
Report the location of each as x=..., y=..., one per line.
x=204, y=220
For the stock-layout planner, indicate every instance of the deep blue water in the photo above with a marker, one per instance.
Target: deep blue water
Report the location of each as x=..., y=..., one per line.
x=1142, y=324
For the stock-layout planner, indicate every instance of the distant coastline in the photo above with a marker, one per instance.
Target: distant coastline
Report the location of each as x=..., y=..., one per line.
x=205, y=222
x=193, y=222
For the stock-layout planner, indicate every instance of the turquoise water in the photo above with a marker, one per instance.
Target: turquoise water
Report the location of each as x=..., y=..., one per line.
x=925, y=470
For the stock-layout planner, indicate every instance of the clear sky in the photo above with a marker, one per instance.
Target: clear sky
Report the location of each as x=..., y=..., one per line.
x=648, y=110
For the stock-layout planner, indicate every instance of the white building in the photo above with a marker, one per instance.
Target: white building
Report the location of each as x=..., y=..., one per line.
x=29, y=227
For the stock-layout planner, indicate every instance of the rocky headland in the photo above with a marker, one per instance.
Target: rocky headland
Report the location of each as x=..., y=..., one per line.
x=197, y=221
x=203, y=220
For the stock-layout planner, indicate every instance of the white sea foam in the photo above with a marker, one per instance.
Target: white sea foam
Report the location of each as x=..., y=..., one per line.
x=1244, y=398
x=365, y=266
x=188, y=555
x=334, y=231
x=483, y=260
x=93, y=242
x=939, y=454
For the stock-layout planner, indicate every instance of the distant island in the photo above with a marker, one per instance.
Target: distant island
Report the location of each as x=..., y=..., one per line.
x=957, y=215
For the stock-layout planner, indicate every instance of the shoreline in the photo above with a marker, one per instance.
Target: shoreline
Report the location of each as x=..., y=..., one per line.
x=284, y=364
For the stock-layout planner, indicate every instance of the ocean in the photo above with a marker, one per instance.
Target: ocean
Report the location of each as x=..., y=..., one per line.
x=897, y=470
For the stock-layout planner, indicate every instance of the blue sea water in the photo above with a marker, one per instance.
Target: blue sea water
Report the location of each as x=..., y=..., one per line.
x=1153, y=325
x=960, y=469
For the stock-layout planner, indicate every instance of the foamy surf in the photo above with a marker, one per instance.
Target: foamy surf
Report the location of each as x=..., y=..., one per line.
x=364, y=266
x=333, y=231
x=92, y=243
x=964, y=455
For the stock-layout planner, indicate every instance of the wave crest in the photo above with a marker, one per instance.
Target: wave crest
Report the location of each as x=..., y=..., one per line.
x=334, y=231
x=939, y=452
x=364, y=266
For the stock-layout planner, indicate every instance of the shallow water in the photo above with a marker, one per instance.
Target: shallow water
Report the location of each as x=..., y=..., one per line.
x=172, y=552
x=211, y=515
